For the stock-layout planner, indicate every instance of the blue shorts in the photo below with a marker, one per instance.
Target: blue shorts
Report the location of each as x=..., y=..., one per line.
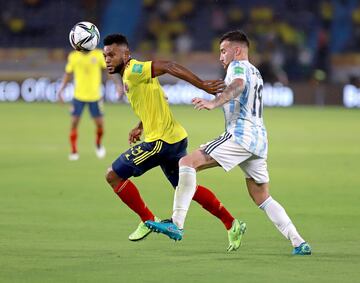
x=142, y=157
x=94, y=108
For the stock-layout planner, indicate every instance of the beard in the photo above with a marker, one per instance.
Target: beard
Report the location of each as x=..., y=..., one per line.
x=117, y=69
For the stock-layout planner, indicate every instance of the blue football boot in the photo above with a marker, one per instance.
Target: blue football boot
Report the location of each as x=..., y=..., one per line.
x=166, y=227
x=303, y=249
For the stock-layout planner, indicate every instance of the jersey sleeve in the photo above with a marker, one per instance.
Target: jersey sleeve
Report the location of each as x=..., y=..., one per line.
x=140, y=72
x=101, y=59
x=237, y=70
x=69, y=68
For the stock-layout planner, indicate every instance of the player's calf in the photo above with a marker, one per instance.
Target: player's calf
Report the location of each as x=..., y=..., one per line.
x=129, y=194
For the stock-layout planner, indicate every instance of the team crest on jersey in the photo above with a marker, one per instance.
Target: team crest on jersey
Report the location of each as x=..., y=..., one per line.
x=238, y=70
x=137, y=68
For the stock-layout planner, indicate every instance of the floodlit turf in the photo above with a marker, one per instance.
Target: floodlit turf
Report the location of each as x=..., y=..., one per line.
x=59, y=221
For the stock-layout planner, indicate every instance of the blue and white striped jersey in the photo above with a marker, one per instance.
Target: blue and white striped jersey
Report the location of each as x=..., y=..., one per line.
x=244, y=114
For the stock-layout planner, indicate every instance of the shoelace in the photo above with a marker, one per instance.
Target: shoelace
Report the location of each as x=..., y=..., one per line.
x=167, y=221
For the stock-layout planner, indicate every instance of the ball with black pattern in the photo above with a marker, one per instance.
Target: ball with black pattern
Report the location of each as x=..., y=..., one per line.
x=84, y=36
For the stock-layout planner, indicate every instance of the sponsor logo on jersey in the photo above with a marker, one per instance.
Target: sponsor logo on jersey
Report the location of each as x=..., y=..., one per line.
x=137, y=68
x=238, y=70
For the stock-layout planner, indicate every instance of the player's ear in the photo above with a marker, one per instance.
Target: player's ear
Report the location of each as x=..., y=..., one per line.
x=126, y=53
x=238, y=50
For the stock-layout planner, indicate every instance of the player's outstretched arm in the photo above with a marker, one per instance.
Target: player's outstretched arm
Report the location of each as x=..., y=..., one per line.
x=168, y=67
x=233, y=90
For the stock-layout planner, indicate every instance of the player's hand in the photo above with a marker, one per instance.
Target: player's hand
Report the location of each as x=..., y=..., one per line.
x=213, y=86
x=60, y=96
x=200, y=103
x=134, y=135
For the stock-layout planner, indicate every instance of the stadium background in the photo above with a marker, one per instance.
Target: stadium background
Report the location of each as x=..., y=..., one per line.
x=310, y=46
x=59, y=221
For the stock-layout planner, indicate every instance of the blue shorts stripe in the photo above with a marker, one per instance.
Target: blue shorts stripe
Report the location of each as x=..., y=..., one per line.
x=146, y=155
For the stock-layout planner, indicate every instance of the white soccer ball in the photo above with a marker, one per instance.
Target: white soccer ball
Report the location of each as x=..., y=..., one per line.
x=84, y=36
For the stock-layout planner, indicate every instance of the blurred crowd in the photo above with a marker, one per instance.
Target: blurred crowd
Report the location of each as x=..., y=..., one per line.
x=290, y=39
x=42, y=23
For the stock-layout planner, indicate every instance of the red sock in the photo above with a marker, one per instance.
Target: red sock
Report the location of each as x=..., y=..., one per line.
x=130, y=195
x=99, y=134
x=208, y=200
x=73, y=140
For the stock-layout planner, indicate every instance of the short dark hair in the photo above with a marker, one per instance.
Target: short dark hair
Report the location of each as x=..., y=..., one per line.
x=116, y=38
x=236, y=35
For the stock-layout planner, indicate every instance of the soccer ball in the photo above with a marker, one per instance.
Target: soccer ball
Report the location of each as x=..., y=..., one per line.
x=84, y=36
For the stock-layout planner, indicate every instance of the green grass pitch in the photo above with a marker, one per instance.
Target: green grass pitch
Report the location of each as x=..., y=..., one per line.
x=60, y=222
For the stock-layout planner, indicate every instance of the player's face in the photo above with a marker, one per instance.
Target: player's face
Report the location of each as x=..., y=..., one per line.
x=116, y=56
x=227, y=53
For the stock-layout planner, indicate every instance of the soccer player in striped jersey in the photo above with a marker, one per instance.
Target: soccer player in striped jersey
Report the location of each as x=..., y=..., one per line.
x=87, y=69
x=244, y=144
x=165, y=139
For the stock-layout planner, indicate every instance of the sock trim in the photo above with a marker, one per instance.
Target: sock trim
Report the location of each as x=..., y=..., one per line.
x=265, y=203
x=121, y=186
x=187, y=169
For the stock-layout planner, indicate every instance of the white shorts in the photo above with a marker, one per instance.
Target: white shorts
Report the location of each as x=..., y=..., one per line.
x=229, y=154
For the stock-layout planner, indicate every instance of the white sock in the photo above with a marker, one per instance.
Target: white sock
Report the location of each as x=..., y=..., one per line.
x=281, y=220
x=183, y=194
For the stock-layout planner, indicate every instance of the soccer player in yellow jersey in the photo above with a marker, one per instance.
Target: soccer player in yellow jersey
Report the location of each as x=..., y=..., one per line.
x=87, y=70
x=165, y=139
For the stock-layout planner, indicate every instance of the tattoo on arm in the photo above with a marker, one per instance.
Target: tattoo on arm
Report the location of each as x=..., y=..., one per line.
x=206, y=156
x=232, y=91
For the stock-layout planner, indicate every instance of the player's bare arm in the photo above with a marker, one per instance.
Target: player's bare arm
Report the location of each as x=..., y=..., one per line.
x=168, y=67
x=66, y=79
x=135, y=133
x=232, y=91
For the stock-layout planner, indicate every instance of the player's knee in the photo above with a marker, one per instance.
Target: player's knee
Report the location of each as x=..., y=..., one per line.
x=111, y=177
x=192, y=160
x=108, y=175
x=186, y=161
x=75, y=122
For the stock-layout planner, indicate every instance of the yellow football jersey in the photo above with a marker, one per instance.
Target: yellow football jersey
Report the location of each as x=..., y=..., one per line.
x=148, y=102
x=87, y=69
